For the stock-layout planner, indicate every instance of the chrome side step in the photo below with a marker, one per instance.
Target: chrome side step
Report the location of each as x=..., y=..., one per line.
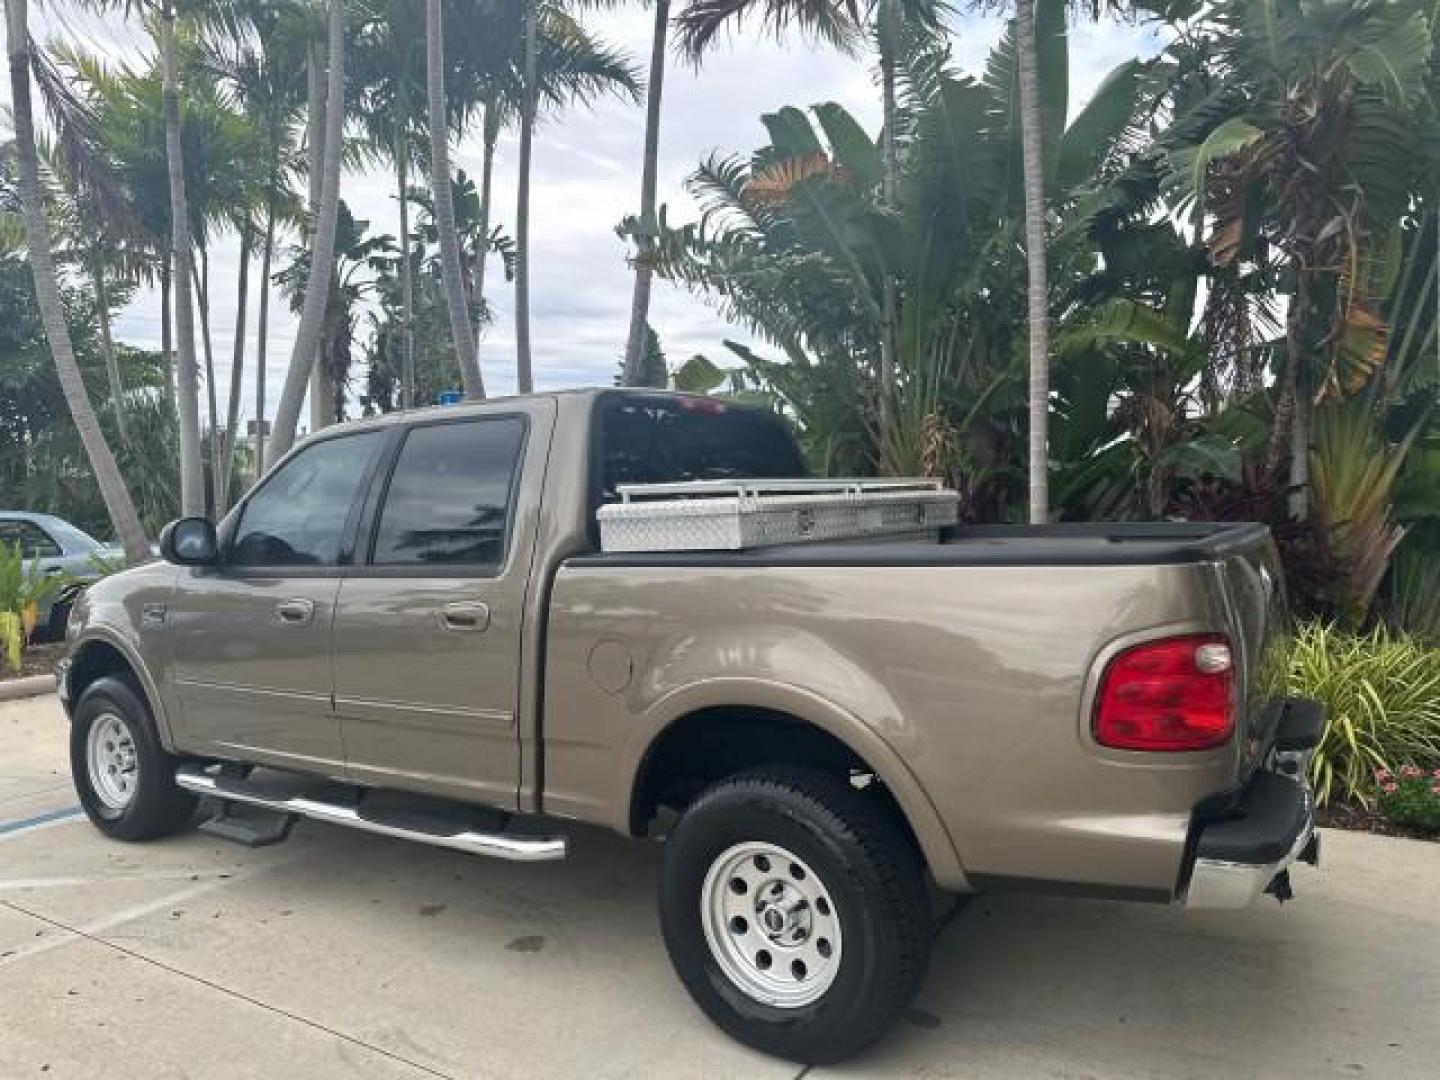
x=436, y=833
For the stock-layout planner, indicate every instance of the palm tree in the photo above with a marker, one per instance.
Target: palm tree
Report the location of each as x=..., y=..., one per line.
x=455, y=292
x=113, y=491
x=1313, y=127
x=264, y=71
x=1032, y=136
x=312, y=316
x=637, y=341
x=524, y=373
x=388, y=60
x=841, y=23
x=315, y=136
x=570, y=66
x=192, y=477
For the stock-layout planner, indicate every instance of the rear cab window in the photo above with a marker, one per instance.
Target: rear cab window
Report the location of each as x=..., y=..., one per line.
x=663, y=440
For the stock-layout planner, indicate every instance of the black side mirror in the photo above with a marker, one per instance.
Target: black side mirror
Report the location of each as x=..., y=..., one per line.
x=190, y=542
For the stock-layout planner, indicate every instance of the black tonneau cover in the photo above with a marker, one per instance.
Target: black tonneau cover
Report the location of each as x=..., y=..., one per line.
x=1088, y=544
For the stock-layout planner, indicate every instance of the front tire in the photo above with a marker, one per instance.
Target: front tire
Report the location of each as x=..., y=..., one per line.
x=123, y=775
x=794, y=910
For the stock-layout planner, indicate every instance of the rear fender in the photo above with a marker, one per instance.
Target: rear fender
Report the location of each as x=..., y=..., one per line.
x=810, y=708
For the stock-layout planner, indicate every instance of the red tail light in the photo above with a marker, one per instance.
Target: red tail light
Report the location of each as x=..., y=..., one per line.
x=1169, y=695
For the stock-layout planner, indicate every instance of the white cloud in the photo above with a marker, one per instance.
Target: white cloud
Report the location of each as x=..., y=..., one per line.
x=586, y=178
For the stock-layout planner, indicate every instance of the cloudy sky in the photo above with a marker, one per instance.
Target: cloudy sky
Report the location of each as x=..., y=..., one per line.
x=586, y=178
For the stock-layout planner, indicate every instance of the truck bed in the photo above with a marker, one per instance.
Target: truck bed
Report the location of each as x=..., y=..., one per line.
x=1088, y=544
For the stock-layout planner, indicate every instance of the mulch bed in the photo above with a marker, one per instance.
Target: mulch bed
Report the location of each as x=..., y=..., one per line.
x=36, y=660
x=1357, y=818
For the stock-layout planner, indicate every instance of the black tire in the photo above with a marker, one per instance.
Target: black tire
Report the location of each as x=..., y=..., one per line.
x=852, y=842
x=156, y=807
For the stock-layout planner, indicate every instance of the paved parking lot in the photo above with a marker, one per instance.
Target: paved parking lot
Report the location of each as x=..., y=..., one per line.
x=343, y=955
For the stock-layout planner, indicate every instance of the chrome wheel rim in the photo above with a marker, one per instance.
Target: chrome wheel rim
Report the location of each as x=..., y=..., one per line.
x=110, y=755
x=771, y=925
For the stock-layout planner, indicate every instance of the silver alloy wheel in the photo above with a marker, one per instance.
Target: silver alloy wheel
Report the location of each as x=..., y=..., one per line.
x=110, y=756
x=771, y=925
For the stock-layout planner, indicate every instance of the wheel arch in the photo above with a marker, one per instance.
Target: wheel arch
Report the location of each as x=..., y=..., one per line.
x=720, y=720
x=100, y=654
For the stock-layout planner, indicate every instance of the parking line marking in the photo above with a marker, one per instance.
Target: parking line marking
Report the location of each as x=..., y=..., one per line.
x=110, y=922
x=23, y=884
x=39, y=821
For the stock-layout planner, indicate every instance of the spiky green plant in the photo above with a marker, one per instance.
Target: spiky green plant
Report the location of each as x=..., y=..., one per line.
x=23, y=585
x=1383, y=695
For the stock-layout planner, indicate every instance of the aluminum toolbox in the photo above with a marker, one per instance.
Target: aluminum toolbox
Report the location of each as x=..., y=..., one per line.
x=729, y=515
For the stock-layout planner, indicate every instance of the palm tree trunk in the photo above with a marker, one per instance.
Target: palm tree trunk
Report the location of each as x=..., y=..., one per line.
x=1290, y=432
x=202, y=296
x=450, y=268
x=490, y=129
x=262, y=340
x=230, y=437
x=322, y=257
x=407, y=282
x=1033, y=156
x=644, y=268
x=113, y=491
x=167, y=326
x=315, y=135
x=107, y=346
x=890, y=330
x=187, y=396
x=524, y=368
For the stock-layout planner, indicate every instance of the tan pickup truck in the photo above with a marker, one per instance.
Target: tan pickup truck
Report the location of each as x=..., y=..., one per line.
x=408, y=627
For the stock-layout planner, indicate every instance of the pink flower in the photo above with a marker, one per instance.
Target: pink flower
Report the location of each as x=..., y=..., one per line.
x=1382, y=775
x=1435, y=788
x=1390, y=788
x=1410, y=772
x=1436, y=774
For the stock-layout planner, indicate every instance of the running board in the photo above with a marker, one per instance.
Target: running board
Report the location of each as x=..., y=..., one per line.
x=434, y=832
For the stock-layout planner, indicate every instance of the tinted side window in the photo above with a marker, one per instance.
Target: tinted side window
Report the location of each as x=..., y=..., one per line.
x=298, y=517
x=449, y=499
x=33, y=541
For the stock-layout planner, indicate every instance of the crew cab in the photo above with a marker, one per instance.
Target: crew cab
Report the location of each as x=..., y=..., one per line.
x=409, y=626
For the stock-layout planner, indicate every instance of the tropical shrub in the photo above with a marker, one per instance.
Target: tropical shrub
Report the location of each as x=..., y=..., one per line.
x=1383, y=697
x=1411, y=797
x=22, y=587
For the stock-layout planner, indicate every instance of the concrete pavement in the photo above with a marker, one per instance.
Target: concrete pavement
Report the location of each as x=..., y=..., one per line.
x=343, y=955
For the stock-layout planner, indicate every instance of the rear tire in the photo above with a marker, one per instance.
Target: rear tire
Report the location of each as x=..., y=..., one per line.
x=795, y=912
x=123, y=775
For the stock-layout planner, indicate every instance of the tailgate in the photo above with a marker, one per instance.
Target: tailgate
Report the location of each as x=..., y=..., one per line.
x=1252, y=593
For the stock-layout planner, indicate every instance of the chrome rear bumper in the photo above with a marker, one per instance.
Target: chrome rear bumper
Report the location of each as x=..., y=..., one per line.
x=1227, y=885
x=1249, y=852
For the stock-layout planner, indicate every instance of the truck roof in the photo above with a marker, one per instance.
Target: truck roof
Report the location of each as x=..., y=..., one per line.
x=490, y=404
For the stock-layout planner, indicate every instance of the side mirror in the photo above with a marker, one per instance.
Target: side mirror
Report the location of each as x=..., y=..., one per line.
x=190, y=542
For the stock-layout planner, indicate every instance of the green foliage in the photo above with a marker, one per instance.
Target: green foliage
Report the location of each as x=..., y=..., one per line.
x=12, y=639
x=1353, y=474
x=1410, y=797
x=43, y=466
x=23, y=586
x=1383, y=696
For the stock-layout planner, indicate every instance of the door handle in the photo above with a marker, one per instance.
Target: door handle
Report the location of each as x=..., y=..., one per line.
x=471, y=618
x=295, y=612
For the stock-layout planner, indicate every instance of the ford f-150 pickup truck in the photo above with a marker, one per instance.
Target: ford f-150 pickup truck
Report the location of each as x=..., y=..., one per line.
x=409, y=626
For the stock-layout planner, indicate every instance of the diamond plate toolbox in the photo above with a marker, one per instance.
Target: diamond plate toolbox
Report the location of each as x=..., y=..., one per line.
x=731, y=515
